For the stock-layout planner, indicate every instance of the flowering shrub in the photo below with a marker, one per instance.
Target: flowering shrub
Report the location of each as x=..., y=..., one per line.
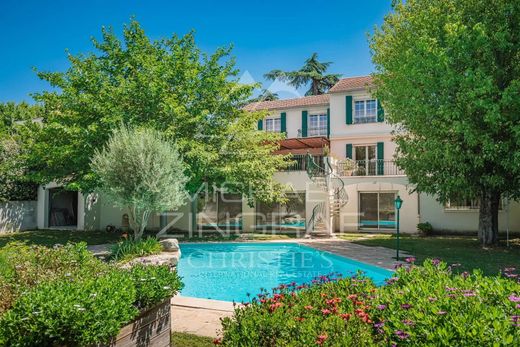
x=425, y=305
x=65, y=296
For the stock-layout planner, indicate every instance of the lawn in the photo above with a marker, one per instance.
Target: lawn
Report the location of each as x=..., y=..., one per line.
x=454, y=250
x=52, y=237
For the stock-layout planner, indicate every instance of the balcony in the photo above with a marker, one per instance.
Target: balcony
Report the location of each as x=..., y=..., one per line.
x=375, y=167
x=300, y=162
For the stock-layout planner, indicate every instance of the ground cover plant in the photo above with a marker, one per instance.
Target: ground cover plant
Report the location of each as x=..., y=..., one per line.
x=65, y=296
x=420, y=305
x=130, y=249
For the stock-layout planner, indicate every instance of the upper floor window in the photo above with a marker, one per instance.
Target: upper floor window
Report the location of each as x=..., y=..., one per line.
x=273, y=124
x=317, y=125
x=365, y=111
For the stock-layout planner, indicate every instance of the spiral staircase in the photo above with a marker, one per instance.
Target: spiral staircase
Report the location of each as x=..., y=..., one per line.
x=321, y=221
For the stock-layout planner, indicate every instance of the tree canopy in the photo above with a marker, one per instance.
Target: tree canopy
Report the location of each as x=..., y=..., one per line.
x=169, y=85
x=13, y=186
x=313, y=72
x=448, y=73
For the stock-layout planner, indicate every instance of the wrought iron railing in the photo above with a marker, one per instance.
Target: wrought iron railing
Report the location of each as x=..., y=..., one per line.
x=331, y=183
x=299, y=162
x=375, y=167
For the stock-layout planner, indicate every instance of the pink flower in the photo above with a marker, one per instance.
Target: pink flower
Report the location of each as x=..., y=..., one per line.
x=514, y=298
x=326, y=311
x=406, y=306
x=441, y=313
x=381, y=307
x=308, y=307
x=436, y=261
x=345, y=316
x=410, y=260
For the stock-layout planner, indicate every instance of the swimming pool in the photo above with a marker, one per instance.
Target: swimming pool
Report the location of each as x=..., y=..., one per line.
x=229, y=271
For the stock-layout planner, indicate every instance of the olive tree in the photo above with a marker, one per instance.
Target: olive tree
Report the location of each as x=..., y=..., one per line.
x=141, y=172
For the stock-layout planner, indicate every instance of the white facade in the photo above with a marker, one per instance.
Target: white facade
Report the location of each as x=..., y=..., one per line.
x=371, y=188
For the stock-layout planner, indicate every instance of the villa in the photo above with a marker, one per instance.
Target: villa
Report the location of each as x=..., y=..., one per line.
x=326, y=135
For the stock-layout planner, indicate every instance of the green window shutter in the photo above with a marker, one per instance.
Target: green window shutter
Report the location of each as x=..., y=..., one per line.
x=283, y=121
x=348, y=108
x=380, y=112
x=328, y=122
x=380, y=158
x=349, y=150
x=304, y=123
x=260, y=124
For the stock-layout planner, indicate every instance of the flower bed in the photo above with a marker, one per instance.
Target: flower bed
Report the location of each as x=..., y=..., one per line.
x=65, y=296
x=420, y=305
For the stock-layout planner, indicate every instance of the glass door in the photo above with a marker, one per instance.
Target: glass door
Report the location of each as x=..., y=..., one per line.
x=377, y=211
x=365, y=157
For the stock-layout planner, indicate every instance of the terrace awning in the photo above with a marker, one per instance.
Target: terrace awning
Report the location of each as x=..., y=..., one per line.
x=303, y=145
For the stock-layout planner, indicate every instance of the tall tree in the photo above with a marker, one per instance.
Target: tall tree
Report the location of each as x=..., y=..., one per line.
x=13, y=186
x=448, y=73
x=313, y=72
x=193, y=98
x=265, y=95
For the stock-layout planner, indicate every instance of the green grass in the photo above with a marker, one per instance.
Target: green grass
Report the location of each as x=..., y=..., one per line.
x=189, y=340
x=463, y=250
x=52, y=237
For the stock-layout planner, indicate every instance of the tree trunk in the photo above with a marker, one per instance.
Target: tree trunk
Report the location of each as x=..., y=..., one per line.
x=488, y=218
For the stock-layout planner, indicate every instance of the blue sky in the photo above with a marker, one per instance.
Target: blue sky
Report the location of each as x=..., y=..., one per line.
x=265, y=34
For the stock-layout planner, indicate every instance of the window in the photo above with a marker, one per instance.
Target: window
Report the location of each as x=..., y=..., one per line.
x=466, y=204
x=377, y=211
x=317, y=125
x=273, y=124
x=290, y=215
x=365, y=111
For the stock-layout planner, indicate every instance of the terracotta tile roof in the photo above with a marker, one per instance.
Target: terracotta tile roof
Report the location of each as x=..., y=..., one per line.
x=351, y=83
x=314, y=100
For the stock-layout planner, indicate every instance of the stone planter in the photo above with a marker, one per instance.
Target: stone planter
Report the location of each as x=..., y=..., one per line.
x=152, y=328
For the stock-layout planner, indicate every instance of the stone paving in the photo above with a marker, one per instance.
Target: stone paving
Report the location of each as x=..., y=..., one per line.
x=202, y=317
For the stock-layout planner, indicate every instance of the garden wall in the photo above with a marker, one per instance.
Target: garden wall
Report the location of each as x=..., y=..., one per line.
x=18, y=215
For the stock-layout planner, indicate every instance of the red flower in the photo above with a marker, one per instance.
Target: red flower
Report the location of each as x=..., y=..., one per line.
x=308, y=307
x=352, y=296
x=217, y=341
x=326, y=311
x=321, y=339
x=345, y=316
x=274, y=306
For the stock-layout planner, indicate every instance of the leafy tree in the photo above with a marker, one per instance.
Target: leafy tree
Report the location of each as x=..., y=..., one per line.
x=13, y=187
x=168, y=85
x=313, y=72
x=141, y=172
x=448, y=73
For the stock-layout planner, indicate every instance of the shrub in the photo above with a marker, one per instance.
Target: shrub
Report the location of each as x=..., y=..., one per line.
x=153, y=284
x=425, y=228
x=70, y=313
x=426, y=305
x=24, y=267
x=65, y=296
x=130, y=249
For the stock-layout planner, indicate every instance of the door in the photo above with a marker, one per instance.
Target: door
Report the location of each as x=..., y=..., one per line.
x=365, y=157
x=377, y=210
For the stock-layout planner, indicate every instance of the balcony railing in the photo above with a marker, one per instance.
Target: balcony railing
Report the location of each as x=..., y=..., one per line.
x=299, y=163
x=375, y=167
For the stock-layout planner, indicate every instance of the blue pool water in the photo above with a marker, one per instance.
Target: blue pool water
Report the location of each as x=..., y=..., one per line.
x=228, y=271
